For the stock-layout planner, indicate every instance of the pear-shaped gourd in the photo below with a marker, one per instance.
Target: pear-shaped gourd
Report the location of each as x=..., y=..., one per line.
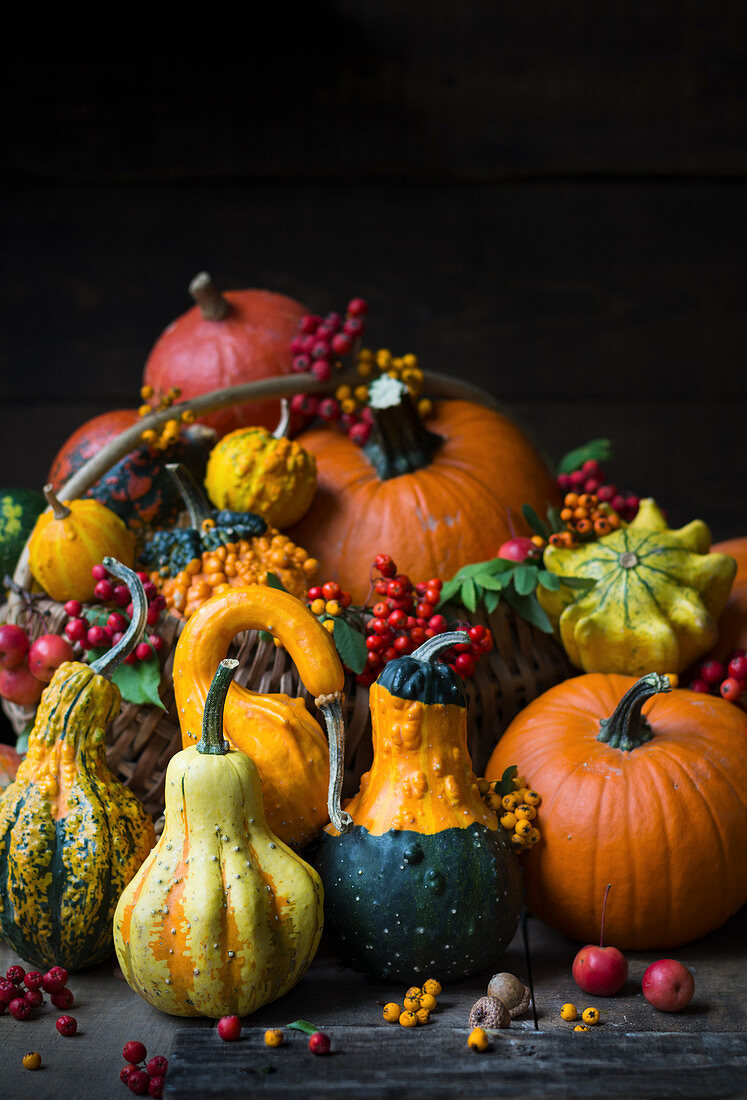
x=425, y=881
x=71, y=835
x=222, y=917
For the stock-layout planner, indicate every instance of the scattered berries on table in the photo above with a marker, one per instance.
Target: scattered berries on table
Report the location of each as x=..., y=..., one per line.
x=19, y=1008
x=590, y=1016
x=423, y=1016
x=134, y=1052
x=569, y=1012
x=138, y=1081
x=157, y=1066
x=229, y=1028
x=33, y=979
x=432, y=986
x=478, y=1039
x=408, y=1018
x=67, y=1026
x=320, y=1043
x=32, y=1060
x=392, y=1012
x=274, y=1037
x=580, y=1027
x=156, y=1085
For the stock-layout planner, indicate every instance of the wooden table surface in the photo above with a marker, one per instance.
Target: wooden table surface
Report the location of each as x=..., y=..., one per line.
x=635, y=1051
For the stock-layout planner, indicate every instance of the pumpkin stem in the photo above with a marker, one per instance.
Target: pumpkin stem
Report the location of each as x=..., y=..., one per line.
x=194, y=499
x=213, y=306
x=428, y=650
x=283, y=425
x=60, y=510
x=331, y=708
x=627, y=728
x=401, y=442
x=212, y=742
x=112, y=659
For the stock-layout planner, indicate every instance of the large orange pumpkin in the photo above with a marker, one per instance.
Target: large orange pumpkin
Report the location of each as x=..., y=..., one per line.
x=226, y=339
x=447, y=505
x=732, y=624
x=658, y=809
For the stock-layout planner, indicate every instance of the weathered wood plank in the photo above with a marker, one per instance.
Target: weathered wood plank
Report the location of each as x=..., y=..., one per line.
x=437, y=1062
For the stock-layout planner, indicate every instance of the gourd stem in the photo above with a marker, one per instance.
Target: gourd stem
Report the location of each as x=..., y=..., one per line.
x=60, y=510
x=194, y=499
x=112, y=659
x=401, y=443
x=283, y=425
x=213, y=306
x=331, y=708
x=212, y=742
x=428, y=650
x=627, y=728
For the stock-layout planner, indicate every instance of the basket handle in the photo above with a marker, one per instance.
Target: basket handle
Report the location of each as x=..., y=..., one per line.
x=440, y=385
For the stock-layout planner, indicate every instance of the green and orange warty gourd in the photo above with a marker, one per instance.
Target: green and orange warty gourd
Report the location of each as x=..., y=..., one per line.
x=425, y=880
x=655, y=598
x=71, y=835
x=222, y=917
x=654, y=804
x=277, y=732
x=68, y=541
x=436, y=497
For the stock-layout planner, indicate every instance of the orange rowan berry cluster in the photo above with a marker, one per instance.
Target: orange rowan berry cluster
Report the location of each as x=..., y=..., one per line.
x=517, y=810
x=169, y=432
x=585, y=518
x=419, y=1003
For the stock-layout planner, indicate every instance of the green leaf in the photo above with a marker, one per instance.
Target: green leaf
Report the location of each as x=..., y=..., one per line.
x=597, y=450
x=529, y=609
x=449, y=591
x=492, y=599
x=22, y=741
x=468, y=595
x=493, y=583
x=525, y=579
x=275, y=582
x=139, y=683
x=350, y=645
x=305, y=1026
x=554, y=520
x=506, y=784
x=538, y=525
x=550, y=581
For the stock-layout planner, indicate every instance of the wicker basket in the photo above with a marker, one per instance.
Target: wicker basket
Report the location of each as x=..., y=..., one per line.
x=523, y=663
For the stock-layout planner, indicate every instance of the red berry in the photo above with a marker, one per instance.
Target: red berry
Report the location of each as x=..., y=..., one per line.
x=738, y=668
x=341, y=343
x=138, y=1082
x=19, y=1008
x=124, y=1073
x=143, y=577
x=153, y=615
x=381, y=610
x=55, y=979
x=618, y=502
x=8, y=991
x=156, y=641
x=606, y=493
x=33, y=979
x=344, y=599
x=329, y=409
x=591, y=485
x=381, y=627
x=435, y=582
x=117, y=637
x=713, y=672
x=156, y=1086
x=157, y=1066
x=301, y=363
x=134, y=1052
x=143, y=652
x=96, y=637
x=67, y=1026
x=374, y=642
x=35, y=998
x=73, y=608
x=438, y=623
x=731, y=689
x=76, y=629
x=319, y=1043
x=63, y=999
x=121, y=595
x=130, y=659
x=417, y=636
x=357, y=307
x=486, y=643
x=397, y=620
x=477, y=632
x=117, y=622
x=380, y=586
x=104, y=591
x=99, y=572
x=314, y=593
x=360, y=433
x=402, y=644
x=578, y=477
x=373, y=660
x=354, y=327
x=322, y=371
x=700, y=686
x=309, y=324
x=15, y=974
x=563, y=482
x=229, y=1028
x=306, y=404
x=331, y=590
x=432, y=596
x=389, y=654
x=425, y=610
x=464, y=664
x=333, y=322
x=385, y=565
x=396, y=589
x=320, y=349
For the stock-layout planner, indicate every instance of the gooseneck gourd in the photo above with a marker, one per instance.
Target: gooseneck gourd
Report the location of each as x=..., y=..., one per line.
x=425, y=881
x=71, y=835
x=223, y=917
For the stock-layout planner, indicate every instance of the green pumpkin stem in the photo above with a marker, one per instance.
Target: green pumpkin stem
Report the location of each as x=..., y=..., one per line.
x=435, y=645
x=400, y=443
x=627, y=729
x=112, y=659
x=212, y=742
x=194, y=499
x=213, y=306
x=60, y=510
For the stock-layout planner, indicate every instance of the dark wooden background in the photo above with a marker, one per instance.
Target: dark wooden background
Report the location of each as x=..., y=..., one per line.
x=544, y=197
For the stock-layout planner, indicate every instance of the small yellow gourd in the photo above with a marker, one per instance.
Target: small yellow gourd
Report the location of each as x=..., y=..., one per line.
x=222, y=917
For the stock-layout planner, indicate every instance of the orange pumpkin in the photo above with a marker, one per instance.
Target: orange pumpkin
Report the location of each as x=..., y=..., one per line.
x=226, y=339
x=732, y=625
x=657, y=808
x=440, y=504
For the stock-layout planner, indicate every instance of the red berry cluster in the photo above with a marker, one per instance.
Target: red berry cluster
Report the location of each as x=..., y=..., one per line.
x=725, y=678
x=140, y=1078
x=592, y=479
x=26, y=668
x=405, y=616
x=22, y=992
x=80, y=631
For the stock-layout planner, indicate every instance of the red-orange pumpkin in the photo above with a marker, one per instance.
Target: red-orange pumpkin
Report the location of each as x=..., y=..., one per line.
x=732, y=625
x=226, y=339
x=661, y=815
x=450, y=508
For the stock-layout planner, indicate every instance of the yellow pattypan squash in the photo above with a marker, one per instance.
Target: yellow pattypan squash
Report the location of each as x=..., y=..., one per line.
x=655, y=601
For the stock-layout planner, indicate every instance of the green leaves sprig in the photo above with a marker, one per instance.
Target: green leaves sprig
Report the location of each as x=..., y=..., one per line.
x=488, y=582
x=597, y=450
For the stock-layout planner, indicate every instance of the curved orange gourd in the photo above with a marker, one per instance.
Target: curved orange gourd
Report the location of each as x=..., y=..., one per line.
x=665, y=820
x=279, y=734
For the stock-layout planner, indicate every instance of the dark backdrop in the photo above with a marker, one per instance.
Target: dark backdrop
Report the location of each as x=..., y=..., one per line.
x=545, y=197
